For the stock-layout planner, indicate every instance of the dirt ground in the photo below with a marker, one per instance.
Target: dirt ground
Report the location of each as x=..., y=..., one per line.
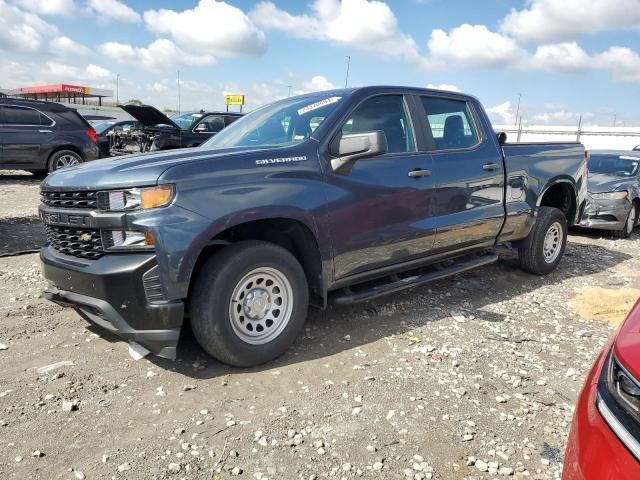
x=470, y=378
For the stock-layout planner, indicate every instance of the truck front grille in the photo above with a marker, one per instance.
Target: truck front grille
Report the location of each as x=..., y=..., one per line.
x=88, y=199
x=77, y=242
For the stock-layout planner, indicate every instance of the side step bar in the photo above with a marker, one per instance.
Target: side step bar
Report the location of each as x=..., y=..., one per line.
x=348, y=297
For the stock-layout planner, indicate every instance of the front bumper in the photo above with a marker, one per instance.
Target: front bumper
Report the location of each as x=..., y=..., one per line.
x=111, y=293
x=605, y=214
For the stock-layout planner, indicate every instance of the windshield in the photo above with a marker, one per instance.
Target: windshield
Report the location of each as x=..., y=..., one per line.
x=284, y=123
x=185, y=120
x=616, y=166
x=102, y=126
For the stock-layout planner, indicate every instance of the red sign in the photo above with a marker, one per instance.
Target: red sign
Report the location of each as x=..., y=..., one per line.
x=61, y=88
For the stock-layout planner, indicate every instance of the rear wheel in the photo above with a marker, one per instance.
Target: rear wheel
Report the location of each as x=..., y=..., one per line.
x=63, y=159
x=249, y=303
x=629, y=224
x=542, y=250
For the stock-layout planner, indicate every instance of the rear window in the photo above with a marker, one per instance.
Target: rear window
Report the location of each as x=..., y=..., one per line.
x=72, y=119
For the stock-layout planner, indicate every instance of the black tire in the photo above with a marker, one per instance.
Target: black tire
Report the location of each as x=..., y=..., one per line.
x=59, y=158
x=629, y=223
x=211, y=303
x=531, y=252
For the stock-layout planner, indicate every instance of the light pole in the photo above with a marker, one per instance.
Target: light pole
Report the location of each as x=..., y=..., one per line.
x=178, y=92
x=518, y=108
x=117, y=88
x=346, y=80
x=289, y=87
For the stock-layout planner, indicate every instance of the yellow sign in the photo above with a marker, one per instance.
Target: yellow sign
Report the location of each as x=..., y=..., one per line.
x=234, y=99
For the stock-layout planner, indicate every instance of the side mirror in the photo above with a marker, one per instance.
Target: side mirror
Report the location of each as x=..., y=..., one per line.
x=355, y=146
x=502, y=138
x=201, y=128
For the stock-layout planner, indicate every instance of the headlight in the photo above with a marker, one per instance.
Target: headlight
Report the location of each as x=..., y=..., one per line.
x=136, y=198
x=611, y=195
x=127, y=240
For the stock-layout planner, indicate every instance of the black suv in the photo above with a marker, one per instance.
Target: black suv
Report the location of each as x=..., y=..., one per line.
x=43, y=136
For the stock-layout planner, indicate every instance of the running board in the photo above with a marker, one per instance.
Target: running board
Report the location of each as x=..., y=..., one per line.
x=348, y=296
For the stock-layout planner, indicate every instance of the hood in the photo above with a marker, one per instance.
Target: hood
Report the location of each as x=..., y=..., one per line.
x=148, y=115
x=132, y=170
x=602, y=182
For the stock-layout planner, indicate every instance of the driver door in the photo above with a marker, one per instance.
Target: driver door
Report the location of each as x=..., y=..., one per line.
x=381, y=212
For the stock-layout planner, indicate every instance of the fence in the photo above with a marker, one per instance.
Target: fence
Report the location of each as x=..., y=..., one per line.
x=594, y=138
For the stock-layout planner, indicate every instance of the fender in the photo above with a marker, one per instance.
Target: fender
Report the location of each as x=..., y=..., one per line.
x=208, y=236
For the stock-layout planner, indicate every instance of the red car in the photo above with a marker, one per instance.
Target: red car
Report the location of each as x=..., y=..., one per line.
x=604, y=442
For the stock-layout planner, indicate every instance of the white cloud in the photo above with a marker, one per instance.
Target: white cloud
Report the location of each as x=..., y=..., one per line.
x=548, y=21
x=50, y=7
x=623, y=62
x=318, y=84
x=114, y=10
x=363, y=24
x=502, y=114
x=22, y=31
x=161, y=54
x=212, y=27
x=19, y=74
x=567, y=57
x=64, y=46
x=444, y=86
x=472, y=45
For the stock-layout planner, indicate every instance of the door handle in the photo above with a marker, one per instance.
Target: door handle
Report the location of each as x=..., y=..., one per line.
x=490, y=167
x=419, y=173
x=44, y=131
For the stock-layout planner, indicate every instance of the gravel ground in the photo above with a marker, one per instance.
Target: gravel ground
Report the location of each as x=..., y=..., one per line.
x=470, y=378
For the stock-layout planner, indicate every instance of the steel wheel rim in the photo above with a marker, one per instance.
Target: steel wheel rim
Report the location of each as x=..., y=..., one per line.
x=261, y=306
x=552, y=242
x=66, y=161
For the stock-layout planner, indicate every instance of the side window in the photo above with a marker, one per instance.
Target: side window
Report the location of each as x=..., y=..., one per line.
x=386, y=113
x=211, y=124
x=451, y=123
x=21, y=116
x=45, y=121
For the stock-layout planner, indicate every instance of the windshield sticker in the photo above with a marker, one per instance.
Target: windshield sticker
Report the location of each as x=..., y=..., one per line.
x=315, y=106
x=269, y=161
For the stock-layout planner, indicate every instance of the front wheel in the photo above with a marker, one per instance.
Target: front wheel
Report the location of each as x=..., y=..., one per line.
x=542, y=250
x=629, y=224
x=249, y=303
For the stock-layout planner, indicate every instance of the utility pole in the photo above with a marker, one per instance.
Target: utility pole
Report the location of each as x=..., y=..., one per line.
x=346, y=80
x=518, y=108
x=178, y=92
x=614, y=119
x=289, y=87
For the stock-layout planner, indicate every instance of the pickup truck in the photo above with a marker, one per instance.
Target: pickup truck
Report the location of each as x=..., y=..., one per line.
x=339, y=196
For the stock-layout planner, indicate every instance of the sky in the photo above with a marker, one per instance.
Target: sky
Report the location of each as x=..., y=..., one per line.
x=563, y=58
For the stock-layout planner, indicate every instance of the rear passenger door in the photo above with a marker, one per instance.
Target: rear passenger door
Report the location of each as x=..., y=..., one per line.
x=380, y=214
x=24, y=131
x=469, y=191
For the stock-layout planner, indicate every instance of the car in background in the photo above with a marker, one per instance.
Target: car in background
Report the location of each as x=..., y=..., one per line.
x=111, y=135
x=160, y=132
x=636, y=148
x=43, y=136
x=604, y=441
x=613, y=202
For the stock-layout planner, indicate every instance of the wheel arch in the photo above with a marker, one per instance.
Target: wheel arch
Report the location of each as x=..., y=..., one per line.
x=561, y=193
x=295, y=234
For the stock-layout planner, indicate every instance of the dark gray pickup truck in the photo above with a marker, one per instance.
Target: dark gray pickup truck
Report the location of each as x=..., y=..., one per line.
x=338, y=196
